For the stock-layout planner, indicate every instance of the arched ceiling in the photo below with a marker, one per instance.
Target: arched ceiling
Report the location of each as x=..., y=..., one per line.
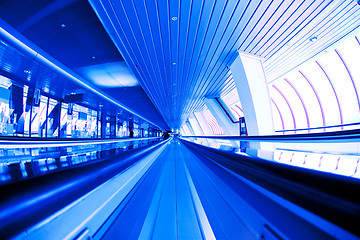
x=180, y=50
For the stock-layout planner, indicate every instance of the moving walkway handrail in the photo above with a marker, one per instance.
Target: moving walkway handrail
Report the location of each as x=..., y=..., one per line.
x=24, y=203
x=332, y=197
x=338, y=136
x=56, y=142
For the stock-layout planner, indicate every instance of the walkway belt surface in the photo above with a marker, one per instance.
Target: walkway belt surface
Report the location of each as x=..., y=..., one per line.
x=182, y=193
x=184, y=196
x=165, y=204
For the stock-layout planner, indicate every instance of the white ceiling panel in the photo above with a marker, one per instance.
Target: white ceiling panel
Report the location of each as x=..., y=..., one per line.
x=179, y=50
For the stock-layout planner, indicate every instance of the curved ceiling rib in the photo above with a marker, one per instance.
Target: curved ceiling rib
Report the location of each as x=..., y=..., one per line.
x=301, y=100
x=332, y=87
x=279, y=112
x=316, y=95
x=288, y=104
x=350, y=76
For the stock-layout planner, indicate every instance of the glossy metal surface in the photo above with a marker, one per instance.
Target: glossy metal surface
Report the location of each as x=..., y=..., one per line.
x=181, y=190
x=24, y=160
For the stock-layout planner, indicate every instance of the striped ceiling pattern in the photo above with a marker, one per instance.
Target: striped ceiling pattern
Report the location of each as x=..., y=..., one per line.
x=180, y=50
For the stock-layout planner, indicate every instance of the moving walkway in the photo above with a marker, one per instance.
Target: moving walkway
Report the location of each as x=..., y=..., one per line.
x=169, y=189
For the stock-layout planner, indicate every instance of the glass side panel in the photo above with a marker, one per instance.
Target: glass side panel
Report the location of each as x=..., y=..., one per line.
x=30, y=161
x=342, y=158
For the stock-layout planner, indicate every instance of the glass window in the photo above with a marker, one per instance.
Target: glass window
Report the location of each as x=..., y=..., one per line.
x=278, y=122
x=99, y=127
x=214, y=125
x=53, y=118
x=350, y=52
x=308, y=96
x=344, y=88
x=284, y=109
x=328, y=86
x=233, y=102
x=5, y=112
x=78, y=121
x=38, y=117
x=295, y=103
x=136, y=130
x=196, y=127
x=325, y=92
x=91, y=123
x=122, y=129
x=27, y=107
x=186, y=130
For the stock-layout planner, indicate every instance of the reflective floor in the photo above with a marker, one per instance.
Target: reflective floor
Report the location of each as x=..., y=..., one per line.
x=28, y=160
x=179, y=198
x=185, y=196
x=175, y=192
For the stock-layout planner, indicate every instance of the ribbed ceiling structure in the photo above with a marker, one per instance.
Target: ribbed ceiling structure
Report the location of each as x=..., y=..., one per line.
x=180, y=50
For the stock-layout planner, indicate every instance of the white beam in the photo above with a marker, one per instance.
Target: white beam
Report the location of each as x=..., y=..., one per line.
x=251, y=85
x=228, y=127
x=203, y=123
x=195, y=125
x=191, y=130
x=186, y=131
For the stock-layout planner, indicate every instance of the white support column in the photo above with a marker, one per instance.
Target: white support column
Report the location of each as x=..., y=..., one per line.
x=186, y=131
x=228, y=127
x=182, y=132
x=251, y=85
x=195, y=125
x=203, y=124
x=191, y=130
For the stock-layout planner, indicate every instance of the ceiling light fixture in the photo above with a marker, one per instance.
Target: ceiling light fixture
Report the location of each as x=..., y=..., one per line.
x=63, y=25
x=313, y=39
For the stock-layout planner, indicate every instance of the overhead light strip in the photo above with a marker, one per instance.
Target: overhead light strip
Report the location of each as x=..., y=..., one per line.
x=26, y=46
